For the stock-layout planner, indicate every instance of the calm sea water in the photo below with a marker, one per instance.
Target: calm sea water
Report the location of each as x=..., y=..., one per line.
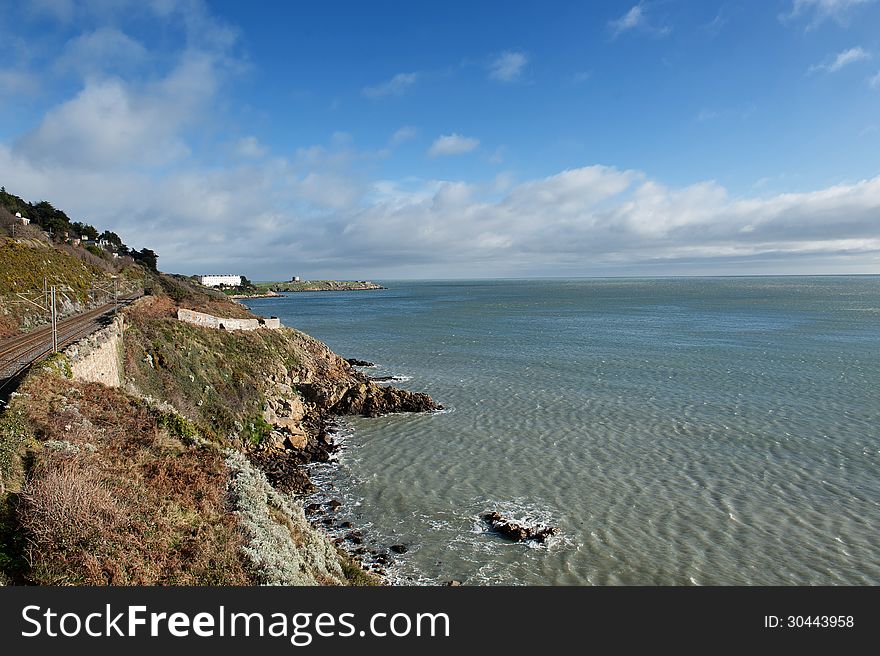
x=678, y=431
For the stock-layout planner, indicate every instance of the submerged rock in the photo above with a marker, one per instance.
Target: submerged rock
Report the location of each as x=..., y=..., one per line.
x=515, y=531
x=399, y=548
x=359, y=363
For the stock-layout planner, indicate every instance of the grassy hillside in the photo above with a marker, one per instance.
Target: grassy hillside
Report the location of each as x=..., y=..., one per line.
x=26, y=263
x=214, y=377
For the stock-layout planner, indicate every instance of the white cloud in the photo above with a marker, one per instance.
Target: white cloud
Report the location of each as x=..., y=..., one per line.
x=822, y=10
x=840, y=60
x=250, y=147
x=452, y=144
x=636, y=19
x=631, y=19
x=110, y=123
x=508, y=66
x=404, y=134
x=396, y=86
x=874, y=80
x=16, y=83
x=104, y=49
x=313, y=209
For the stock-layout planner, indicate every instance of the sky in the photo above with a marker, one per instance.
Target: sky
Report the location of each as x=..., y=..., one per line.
x=389, y=140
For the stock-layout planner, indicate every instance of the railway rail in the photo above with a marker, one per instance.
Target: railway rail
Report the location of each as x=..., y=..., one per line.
x=18, y=353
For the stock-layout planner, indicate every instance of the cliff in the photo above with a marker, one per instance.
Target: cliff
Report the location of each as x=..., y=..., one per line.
x=162, y=452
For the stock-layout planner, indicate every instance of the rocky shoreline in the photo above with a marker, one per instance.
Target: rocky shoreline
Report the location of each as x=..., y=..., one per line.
x=269, y=294
x=305, y=424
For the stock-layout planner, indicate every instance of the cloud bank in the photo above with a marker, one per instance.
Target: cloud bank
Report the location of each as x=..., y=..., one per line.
x=118, y=153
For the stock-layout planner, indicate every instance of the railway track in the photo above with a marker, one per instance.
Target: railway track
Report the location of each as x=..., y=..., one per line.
x=17, y=354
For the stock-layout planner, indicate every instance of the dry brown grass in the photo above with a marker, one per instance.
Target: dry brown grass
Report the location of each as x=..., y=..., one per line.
x=114, y=499
x=66, y=507
x=152, y=307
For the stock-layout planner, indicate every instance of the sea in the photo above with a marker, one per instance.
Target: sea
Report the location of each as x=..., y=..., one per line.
x=677, y=431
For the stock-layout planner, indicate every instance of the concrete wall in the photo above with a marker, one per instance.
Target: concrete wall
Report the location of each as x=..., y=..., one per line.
x=98, y=357
x=210, y=321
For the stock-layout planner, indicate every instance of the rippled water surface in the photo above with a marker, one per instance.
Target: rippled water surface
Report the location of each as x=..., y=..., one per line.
x=678, y=431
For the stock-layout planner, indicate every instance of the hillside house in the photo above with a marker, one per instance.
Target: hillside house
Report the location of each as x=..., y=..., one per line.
x=215, y=280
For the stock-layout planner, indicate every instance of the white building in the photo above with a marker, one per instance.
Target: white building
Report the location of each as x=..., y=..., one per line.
x=21, y=219
x=216, y=280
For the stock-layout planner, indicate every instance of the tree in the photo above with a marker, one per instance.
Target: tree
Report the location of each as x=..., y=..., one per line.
x=111, y=237
x=49, y=218
x=147, y=257
x=85, y=230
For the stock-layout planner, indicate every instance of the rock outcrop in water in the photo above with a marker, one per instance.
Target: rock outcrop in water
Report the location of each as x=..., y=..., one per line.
x=515, y=531
x=359, y=363
x=370, y=400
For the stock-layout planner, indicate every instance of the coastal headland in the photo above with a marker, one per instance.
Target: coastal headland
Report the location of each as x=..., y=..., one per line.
x=273, y=289
x=164, y=452
x=319, y=286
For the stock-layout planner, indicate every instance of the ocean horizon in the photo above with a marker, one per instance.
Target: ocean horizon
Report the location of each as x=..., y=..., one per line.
x=677, y=430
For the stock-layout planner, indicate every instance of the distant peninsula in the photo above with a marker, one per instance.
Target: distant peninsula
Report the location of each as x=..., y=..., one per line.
x=317, y=286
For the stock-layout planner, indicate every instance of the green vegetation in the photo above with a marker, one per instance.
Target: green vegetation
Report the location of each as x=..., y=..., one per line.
x=24, y=267
x=27, y=265
x=179, y=426
x=58, y=364
x=355, y=575
x=13, y=563
x=213, y=377
x=256, y=429
x=246, y=288
x=47, y=252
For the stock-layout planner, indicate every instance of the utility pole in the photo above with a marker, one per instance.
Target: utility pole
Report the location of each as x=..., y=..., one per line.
x=54, y=323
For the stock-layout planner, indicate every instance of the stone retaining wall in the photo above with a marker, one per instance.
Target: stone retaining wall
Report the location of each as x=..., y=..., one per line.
x=210, y=321
x=97, y=358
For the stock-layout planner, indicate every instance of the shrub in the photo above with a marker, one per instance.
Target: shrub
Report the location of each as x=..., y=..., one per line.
x=67, y=508
x=281, y=546
x=257, y=429
x=59, y=364
x=179, y=426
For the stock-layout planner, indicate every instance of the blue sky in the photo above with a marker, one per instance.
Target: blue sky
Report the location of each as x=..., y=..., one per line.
x=392, y=139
